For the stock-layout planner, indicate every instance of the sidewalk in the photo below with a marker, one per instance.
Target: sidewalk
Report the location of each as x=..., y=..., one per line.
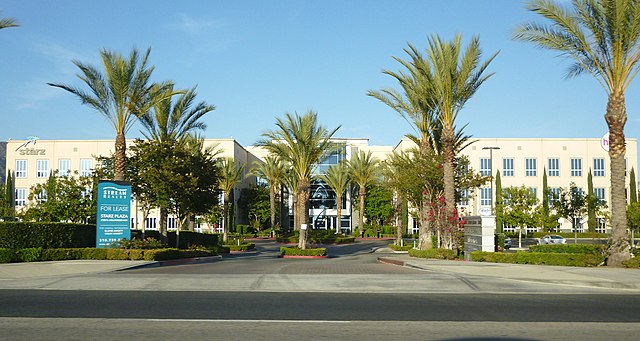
x=600, y=277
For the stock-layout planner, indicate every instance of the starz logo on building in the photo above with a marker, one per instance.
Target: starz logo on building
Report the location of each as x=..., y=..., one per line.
x=114, y=193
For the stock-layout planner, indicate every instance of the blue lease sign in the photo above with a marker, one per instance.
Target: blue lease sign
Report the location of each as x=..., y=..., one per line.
x=114, y=212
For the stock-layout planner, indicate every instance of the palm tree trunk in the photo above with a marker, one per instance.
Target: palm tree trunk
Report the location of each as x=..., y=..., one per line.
x=361, y=194
x=616, y=118
x=163, y=224
x=448, y=140
x=225, y=227
x=339, y=213
x=303, y=199
x=425, y=235
x=296, y=212
x=119, y=157
x=272, y=206
x=399, y=227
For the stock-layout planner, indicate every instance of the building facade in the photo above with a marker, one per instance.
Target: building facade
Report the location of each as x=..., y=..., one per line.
x=520, y=162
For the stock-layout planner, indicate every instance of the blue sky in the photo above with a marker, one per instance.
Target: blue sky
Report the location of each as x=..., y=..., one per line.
x=255, y=60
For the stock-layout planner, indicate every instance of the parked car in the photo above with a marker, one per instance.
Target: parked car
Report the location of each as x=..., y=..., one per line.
x=507, y=243
x=552, y=239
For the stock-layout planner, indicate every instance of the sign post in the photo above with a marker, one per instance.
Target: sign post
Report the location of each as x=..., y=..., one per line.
x=114, y=212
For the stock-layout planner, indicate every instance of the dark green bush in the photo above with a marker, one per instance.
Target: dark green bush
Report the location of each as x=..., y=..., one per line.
x=537, y=258
x=598, y=249
x=20, y=235
x=632, y=263
x=188, y=238
x=294, y=251
x=569, y=235
x=316, y=237
x=434, y=253
x=241, y=247
x=32, y=254
x=145, y=244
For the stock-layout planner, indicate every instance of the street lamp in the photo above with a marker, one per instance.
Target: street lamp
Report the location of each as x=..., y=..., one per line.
x=491, y=173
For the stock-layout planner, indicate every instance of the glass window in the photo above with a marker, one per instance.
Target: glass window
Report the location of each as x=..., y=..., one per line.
x=322, y=196
x=576, y=167
x=530, y=167
x=64, y=167
x=554, y=194
x=21, y=168
x=601, y=227
x=598, y=167
x=150, y=223
x=554, y=167
x=171, y=223
x=485, y=166
x=599, y=193
x=21, y=196
x=534, y=191
x=485, y=196
x=507, y=167
x=42, y=196
x=42, y=168
x=577, y=225
x=85, y=167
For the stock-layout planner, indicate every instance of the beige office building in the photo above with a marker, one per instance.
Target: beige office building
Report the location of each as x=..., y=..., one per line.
x=520, y=161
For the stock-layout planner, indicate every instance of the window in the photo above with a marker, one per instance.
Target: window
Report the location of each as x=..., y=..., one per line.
x=554, y=194
x=42, y=196
x=601, y=226
x=507, y=167
x=534, y=191
x=485, y=166
x=485, y=196
x=150, y=223
x=21, y=168
x=599, y=193
x=464, y=197
x=85, y=167
x=554, y=167
x=21, y=196
x=42, y=168
x=598, y=167
x=64, y=167
x=171, y=223
x=577, y=225
x=576, y=167
x=530, y=167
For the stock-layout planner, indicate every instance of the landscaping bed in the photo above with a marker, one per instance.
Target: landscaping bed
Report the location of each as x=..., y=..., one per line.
x=434, y=253
x=294, y=252
x=40, y=254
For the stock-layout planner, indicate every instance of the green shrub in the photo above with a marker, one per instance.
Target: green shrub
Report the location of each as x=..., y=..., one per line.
x=20, y=235
x=395, y=247
x=537, y=258
x=598, y=249
x=316, y=237
x=632, y=263
x=145, y=244
x=31, y=254
x=568, y=234
x=241, y=247
x=294, y=251
x=433, y=253
x=7, y=255
x=344, y=240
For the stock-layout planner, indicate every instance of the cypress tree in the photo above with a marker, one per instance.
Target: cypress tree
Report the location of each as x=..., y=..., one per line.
x=10, y=195
x=499, y=205
x=633, y=190
x=591, y=204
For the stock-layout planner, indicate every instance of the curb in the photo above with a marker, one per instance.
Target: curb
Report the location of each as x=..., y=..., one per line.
x=173, y=262
x=391, y=261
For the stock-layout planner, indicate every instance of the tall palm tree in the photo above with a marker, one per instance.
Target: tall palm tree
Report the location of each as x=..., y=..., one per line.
x=337, y=178
x=290, y=181
x=230, y=175
x=363, y=171
x=171, y=119
x=122, y=94
x=8, y=22
x=271, y=170
x=301, y=142
x=601, y=37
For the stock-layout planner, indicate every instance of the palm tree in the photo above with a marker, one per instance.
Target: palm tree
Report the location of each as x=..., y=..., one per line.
x=271, y=170
x=301, y=142
x=337, y=178
x=173, y=120
x=122, y=94
x=8, y=22
x=362, y=169
x=230, y=175
x=601, y=37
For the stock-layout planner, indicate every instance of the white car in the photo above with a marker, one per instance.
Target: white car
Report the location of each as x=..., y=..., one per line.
x=552, y=239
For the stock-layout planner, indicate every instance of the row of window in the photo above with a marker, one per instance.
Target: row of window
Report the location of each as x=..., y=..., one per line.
x=42, y=167
x=554, y=193
x=553, y=167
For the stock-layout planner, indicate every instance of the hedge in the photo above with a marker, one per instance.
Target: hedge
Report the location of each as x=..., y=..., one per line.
x=632, y=263
x=317, y=237
x=21, y=235
x=433, y=253
x=395, y=247
x=597, y=249
x=59, y=254
x=294, y=251
x=538, y=258
x=241, y=247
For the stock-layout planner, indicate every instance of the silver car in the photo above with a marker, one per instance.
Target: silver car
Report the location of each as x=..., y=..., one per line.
x=552, y=239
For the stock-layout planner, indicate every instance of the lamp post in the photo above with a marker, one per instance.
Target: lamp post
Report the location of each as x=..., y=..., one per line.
x=491, y=149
